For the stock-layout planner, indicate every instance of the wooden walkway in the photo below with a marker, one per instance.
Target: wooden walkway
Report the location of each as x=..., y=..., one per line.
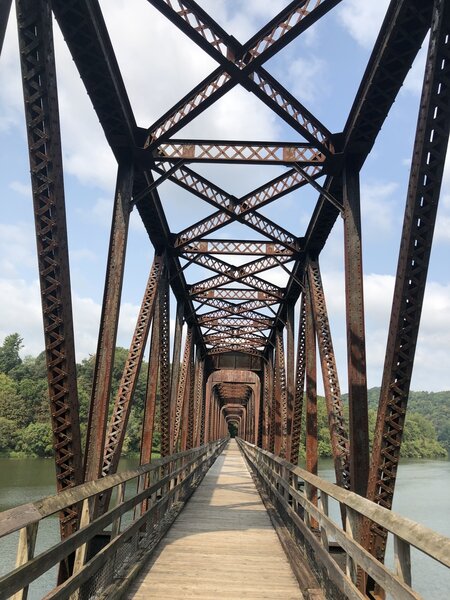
x=221, y=546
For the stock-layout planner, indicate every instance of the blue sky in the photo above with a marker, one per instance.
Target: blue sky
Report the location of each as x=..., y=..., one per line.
x=159, y=65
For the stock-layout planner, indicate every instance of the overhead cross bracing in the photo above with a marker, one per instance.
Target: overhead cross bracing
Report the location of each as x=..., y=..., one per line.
x=236, y=295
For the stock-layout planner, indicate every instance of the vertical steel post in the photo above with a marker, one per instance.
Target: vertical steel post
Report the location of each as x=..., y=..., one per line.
x=281, y=377
x=37, y=58
x=164, y=365
x=356, y=337
x=176, y=366
x=191, y=416
x=182, y=387
x=311, y=392
x=420, y=214
x=122, y=405
x=299, y=382
x=148, y=424
x=104, y=363
x=271, y=370
x=338, y=431
x=290, y=379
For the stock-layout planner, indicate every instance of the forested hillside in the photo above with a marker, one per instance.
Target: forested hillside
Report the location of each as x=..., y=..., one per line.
x=24, y=411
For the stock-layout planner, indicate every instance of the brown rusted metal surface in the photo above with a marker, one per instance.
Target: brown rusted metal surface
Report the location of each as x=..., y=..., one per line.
x=183, y=385
x=336, y=420
x=356, y=338
x=104, y=361
x=148, y=424
x=422, y=201
x=164, y=365
x=43, y=130
x=119, y=418
x=299, y=382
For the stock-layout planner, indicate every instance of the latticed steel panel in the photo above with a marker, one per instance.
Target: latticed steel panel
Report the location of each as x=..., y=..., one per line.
x=244, y=152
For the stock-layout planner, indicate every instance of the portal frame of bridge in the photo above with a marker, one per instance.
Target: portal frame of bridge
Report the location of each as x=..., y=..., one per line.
x=189, y=414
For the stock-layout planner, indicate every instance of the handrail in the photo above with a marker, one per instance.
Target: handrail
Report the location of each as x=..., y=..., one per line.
x=20, y=516
x=281, y=481
x=163, y=486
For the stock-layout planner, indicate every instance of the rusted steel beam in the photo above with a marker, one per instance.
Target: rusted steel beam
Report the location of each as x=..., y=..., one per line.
x=37, y=59
x=190, y=442
x=338, y=432
x=182, y=387
x=356, y=335
x=239, y=294
x=299, y=382
x=85, y=33
x=401, y=36
x=104, y=362
x=252, y=247
x=148, y=423
x=122, y=405
x=311, y=389
x=283, y=393
x=215, y=151
x=241, y=62
x=164, y=367
x=253, y=219
x=290, y=380
x=231, y=274
x=5, y=7
x=422, y=201
x=228, y=204
x=175, y=372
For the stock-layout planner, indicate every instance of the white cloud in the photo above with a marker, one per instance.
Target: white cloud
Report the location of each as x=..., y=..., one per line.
x=363, y=19
x=430, y=370
x=377, y=208
x=20, y=310
x=17, y=248
x=24, y=189
x=306, y=78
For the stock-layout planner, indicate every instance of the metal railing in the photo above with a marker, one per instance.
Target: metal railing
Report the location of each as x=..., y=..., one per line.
x=130, y=530
x=302, y=501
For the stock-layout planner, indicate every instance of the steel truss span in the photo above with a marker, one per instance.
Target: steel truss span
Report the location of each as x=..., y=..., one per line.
x=233, y=360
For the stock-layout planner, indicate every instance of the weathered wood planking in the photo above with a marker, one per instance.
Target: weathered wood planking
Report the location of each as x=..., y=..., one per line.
x=222, y=545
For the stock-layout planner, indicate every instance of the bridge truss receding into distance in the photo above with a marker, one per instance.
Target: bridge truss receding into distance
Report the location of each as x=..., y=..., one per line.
x=249, y=356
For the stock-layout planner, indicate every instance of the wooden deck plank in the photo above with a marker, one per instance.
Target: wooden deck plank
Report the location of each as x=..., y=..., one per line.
x=222, y=545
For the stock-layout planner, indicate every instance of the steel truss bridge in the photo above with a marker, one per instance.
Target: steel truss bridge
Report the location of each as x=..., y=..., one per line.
x=246, y=363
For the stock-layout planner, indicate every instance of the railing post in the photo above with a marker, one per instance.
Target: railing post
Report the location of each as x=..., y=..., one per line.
x=25, y=552
x=352, y=529
x=402, y=560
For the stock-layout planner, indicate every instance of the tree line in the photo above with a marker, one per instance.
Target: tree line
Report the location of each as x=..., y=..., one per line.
x=25, y=424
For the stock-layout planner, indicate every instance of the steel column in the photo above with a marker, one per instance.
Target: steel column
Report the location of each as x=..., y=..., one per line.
x=338, y=433
x=164, y=367
x=122, y=405
x=175, y=375
x=290, y=377
x=356, y=335
x=37, y=59
x=182, y=387
x=148, y=423
x=422, y=201
x=299, y=382
x=311, y=390
x=104, y=363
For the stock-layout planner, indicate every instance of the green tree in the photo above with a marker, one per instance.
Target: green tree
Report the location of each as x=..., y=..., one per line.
x=12, y=405
x=36, y=440
x=9, y=352
x=8, y=435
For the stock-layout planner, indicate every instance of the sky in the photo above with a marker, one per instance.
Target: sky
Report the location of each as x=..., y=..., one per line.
x=159, y=64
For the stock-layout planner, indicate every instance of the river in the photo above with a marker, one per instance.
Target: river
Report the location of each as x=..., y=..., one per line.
x=422, y=494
